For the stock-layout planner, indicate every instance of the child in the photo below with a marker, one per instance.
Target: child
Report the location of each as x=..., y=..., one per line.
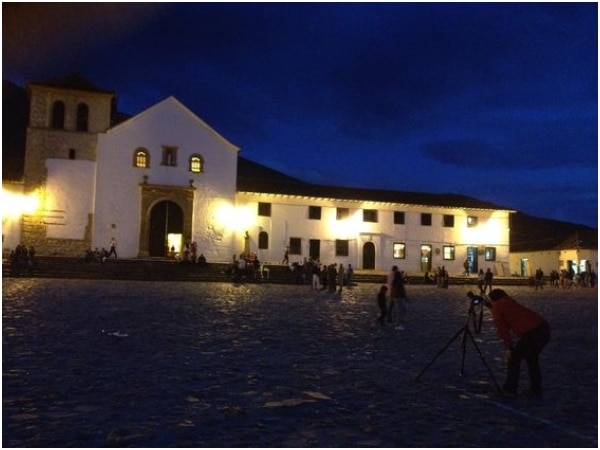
x=382, y=303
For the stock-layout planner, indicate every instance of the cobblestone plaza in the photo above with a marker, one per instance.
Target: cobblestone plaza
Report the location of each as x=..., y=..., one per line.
x=154, y=364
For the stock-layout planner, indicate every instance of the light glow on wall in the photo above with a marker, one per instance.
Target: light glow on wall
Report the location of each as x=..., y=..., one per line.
x=346, y=228
x=14, y=205
x=235, y=218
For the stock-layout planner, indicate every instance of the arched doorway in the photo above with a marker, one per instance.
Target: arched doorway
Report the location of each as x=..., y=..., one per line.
x=166, y=226
x=368, y=256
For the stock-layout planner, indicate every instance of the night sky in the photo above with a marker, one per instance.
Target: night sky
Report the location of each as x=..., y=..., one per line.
x=498, y=101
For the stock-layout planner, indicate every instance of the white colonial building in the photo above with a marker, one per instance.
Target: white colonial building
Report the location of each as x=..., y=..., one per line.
x=164, y=178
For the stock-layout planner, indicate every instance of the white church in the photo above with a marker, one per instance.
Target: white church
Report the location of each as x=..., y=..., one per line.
x=164, y=178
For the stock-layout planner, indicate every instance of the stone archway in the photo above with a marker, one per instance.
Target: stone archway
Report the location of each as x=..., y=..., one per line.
x=166, y=218
x=164, y=210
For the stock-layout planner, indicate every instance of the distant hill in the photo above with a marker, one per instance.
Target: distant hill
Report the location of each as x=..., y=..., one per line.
x=527, y=233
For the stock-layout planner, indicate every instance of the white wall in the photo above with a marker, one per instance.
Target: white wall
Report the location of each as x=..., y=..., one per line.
x=69, y=197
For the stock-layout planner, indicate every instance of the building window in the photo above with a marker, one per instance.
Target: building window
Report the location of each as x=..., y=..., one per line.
x=342, y=213
x=295, y=246
x=314, y=249
x=398, y=217
x=471, y=221
x=264, y=209
x=449, y=221
x=169, y=156
x=72, y=153
x=448, y=251
x=196, y=164
x=82, y=117
x=426, y=219
x=263, y=240
x=141, y=158
x=341, y=247
x=399, y=250
x=58, y=115
x=314, y=212
x=370, y=215
x=490, y=253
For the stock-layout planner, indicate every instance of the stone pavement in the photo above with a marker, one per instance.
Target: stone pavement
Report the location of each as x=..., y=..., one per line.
x=90, y=363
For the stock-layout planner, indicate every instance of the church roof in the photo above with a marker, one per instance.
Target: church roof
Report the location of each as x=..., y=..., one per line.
x=74, y=81
x=253, y=177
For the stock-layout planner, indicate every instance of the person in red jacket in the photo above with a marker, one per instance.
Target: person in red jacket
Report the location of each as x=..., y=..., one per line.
x=533, y=333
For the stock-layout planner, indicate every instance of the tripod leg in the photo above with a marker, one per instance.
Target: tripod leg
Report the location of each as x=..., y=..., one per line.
x=440, y=352
x=483, y=360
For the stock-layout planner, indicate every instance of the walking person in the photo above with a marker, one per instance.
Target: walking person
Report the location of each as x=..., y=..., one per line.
x=399, y=295
x=533, y=334
x=489, y=276
x=286, y=256
x=481, y=281
x=113, y=247
x=341, y=275
x=382, y=304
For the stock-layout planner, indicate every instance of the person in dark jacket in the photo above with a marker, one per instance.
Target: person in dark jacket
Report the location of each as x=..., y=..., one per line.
x=532, y=333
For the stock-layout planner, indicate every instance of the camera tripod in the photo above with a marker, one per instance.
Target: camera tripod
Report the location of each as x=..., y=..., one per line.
x=465, y=334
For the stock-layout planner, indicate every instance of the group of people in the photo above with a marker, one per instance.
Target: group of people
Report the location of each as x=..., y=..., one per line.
x=97, y=255
x=22, y=259
x=247, y=266
x=331, y=277
x=392, y=295
x=567, y=279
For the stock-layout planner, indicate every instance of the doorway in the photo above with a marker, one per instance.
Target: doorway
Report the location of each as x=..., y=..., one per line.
x=166, y=220
x=472, y=259
x=368, y=256
x=425, y=258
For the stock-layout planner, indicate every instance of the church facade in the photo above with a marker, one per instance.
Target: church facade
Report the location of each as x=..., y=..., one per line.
x=164, y=179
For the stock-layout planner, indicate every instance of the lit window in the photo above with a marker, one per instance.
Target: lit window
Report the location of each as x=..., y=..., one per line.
x=490, y=253
x=196, y=164
x=399, y=250
x=449, y=251
x=471, y=221
x=141, y=158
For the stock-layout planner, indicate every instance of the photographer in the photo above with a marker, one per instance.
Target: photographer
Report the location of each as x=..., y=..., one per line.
x=533, y=332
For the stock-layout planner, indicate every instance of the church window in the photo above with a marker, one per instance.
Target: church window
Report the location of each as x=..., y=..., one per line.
x=141, y=158
x=58, y=115
x=169, y=156
x=196, y=164
x=82, y=117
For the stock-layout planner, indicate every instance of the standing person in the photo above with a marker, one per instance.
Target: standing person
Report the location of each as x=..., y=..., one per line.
x=539, y=279
x=341, y=275
x=316, y=276
x=113, y=247
x=392, y=300
x=489, y=276
x=466, y=266
x=382, y=304
x=331, y=277
x=533, y=332
x=399, y=296
x=481, y=281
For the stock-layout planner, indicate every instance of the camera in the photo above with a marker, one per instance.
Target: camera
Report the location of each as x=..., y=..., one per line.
x=475, y=299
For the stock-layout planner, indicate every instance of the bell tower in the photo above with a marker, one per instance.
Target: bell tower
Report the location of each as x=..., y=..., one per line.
x=66, y=116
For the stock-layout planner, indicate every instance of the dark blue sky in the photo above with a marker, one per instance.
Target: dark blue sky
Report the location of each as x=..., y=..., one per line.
x=498, y=101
